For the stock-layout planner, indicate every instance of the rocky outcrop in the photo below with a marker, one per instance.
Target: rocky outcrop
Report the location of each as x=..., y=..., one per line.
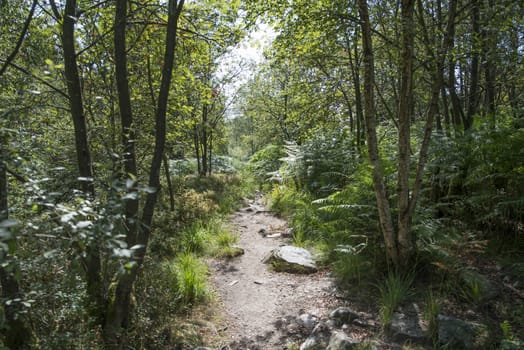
x=478, y=287
x=458, y=334
x=292, y=260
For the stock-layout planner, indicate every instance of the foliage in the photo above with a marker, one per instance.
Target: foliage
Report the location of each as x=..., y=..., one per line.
x=431, y=312
x=323, y=164
x=479, y=178
x=393, y=291
x=509, y=340
x=264, y=164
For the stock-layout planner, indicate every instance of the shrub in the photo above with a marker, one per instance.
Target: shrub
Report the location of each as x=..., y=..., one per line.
x=264, y=163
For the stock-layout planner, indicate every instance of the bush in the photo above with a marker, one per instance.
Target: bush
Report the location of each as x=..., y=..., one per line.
x=323, y=164
x=264, y=163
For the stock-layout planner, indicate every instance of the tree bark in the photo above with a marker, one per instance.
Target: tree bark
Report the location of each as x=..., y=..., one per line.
x=204, y=138
x=76, y=102
x=119, y=306
x=384, y=210
x=474, y=73
x=437, y=86
x=92, y=264
x=406, y=246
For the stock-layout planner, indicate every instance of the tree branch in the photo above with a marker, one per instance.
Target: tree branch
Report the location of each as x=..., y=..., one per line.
x=25, y=71
x=13, y=54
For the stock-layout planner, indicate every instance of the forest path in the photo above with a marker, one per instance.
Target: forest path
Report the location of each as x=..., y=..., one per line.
x=258, y=303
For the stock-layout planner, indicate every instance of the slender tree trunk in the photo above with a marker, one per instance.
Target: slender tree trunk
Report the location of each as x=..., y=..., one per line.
x=92, y=265
x=406, y=245
x=117, y=315
x=164, y=159
x=355, y=70
x=383, y=206
x=473, y=95
x=209, y=169
x=437, y=87
x=196, y=143
x=119, y=306
x=445, y=109
x=204, y=138
x=18, y=335
x=489, y=46
x=76, y=102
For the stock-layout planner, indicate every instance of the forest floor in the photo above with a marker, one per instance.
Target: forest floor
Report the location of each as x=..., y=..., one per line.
x=256, y=302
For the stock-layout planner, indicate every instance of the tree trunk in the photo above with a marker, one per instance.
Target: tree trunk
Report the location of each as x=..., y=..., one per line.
x=383, y=207
x=489, y=45
x=75, y=98
x=92, y=265
x=118, y=304
x=119, y=307
x=196, y=143
x=473, y=95
x=355, y=68
x=406, y=247
x=203, y=139
x=210, y=151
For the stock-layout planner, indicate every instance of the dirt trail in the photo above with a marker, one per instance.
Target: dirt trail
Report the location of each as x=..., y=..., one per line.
x=259, y=303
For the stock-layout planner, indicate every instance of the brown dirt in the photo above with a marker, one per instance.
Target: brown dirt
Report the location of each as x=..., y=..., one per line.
x=257, y=302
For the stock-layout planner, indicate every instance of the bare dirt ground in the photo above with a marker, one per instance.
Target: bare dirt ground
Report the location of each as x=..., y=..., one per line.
x=259, y=303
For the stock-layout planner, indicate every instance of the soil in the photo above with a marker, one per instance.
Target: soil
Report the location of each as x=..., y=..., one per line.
x=257, y=302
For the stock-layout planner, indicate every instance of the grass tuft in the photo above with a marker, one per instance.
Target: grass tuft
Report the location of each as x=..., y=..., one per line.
x=188, y=277
x=392, y=293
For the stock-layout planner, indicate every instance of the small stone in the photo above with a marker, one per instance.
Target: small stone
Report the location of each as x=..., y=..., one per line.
x=307, y=321
x=292, y=260
x=340, y=341
x=318, y=339
x=263, y=232
x=343, y=315
x=292, y=328
x=406, y=327
x=310, y=343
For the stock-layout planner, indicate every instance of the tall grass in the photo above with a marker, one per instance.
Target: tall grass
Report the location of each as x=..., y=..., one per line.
x=188, y=279
x=393, y=291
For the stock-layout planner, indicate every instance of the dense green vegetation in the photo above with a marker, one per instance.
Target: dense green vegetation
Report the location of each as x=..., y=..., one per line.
x=390, y=134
